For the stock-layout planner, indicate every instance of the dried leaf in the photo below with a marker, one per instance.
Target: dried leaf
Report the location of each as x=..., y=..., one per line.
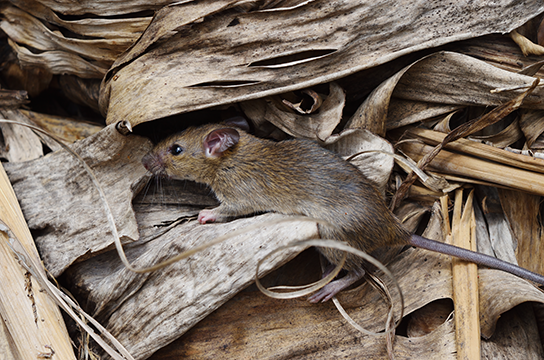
x=19, y=143
x=375, y=165
x=25, y=29
x=302, y=107
x=148, y=311
x=454, y=79
x=63, y=128
x=406, y=112
x=522, y=214
x=532, y=126
x=13, y=98
x=58, y=62
x=99, y=7
x=160, y=72
x=98, y=27
x=81, y=91
x=500, y=292
x=47, y=197
x=317, y=126
x=506, y=137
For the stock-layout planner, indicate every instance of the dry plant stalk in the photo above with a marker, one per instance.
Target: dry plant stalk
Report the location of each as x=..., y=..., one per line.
x=465, y=129
x=32, y=318
x=480, y=150
x=468, y=167
x=465, y=282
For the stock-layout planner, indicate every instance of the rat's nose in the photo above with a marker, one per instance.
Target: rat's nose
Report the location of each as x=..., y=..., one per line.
x=153, y=163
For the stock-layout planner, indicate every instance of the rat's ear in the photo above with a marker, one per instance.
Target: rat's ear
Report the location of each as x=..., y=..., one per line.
x=220, y=140
x=238, y=121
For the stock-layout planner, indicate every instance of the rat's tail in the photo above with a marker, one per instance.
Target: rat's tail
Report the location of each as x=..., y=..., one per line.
x=475, y=257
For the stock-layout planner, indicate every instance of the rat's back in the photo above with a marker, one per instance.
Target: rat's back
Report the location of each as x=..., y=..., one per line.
x=300, y=177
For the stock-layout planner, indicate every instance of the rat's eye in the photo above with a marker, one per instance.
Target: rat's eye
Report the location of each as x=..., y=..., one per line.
x=176, y=149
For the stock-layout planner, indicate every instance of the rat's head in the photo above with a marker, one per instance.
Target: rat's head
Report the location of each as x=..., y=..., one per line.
x=193, y=154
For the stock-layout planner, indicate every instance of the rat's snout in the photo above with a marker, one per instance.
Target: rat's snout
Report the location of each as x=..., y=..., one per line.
x=153, y=162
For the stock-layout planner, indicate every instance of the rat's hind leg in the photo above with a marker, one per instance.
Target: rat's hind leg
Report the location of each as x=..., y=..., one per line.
x=335, y=286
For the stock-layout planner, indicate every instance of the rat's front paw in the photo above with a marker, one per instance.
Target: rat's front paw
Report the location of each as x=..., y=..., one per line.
x=206, y=216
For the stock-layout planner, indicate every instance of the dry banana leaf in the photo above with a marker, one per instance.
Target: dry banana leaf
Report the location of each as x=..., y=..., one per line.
x=376, y=166
x=266, y=335
x=316, y=126
x=62, y=205
x=317, y=331
x=162, y=73
x=502, y=52
x=13, y=98
x=81, y=91
x=522, y=212
x=58, y=62
x=18, y=143
x=31, y=320
x=532, y=126
x=438, y=84
x=147, y=311
x=98, y=7
x=66, y=129
x=516, y=336
x=85, y=48
x=27, y=30
x=100, y=27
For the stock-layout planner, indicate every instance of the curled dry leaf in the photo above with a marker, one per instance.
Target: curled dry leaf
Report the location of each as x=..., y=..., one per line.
x=46, y=197
x=456, y=79
x=97, y=7
x=500, y=51
x=303, y=107
x=405, y=112
x=427, y=319
x=503, y=138
x=375, y=165
x=500, y=292
x=160, y=72
x=316, y=126
x=532, y=126
x=81, y=91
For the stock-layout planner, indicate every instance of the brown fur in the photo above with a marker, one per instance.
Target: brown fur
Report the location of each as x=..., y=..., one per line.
x=289, y=177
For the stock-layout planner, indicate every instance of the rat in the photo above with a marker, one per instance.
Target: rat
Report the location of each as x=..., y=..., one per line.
x=296, y=177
